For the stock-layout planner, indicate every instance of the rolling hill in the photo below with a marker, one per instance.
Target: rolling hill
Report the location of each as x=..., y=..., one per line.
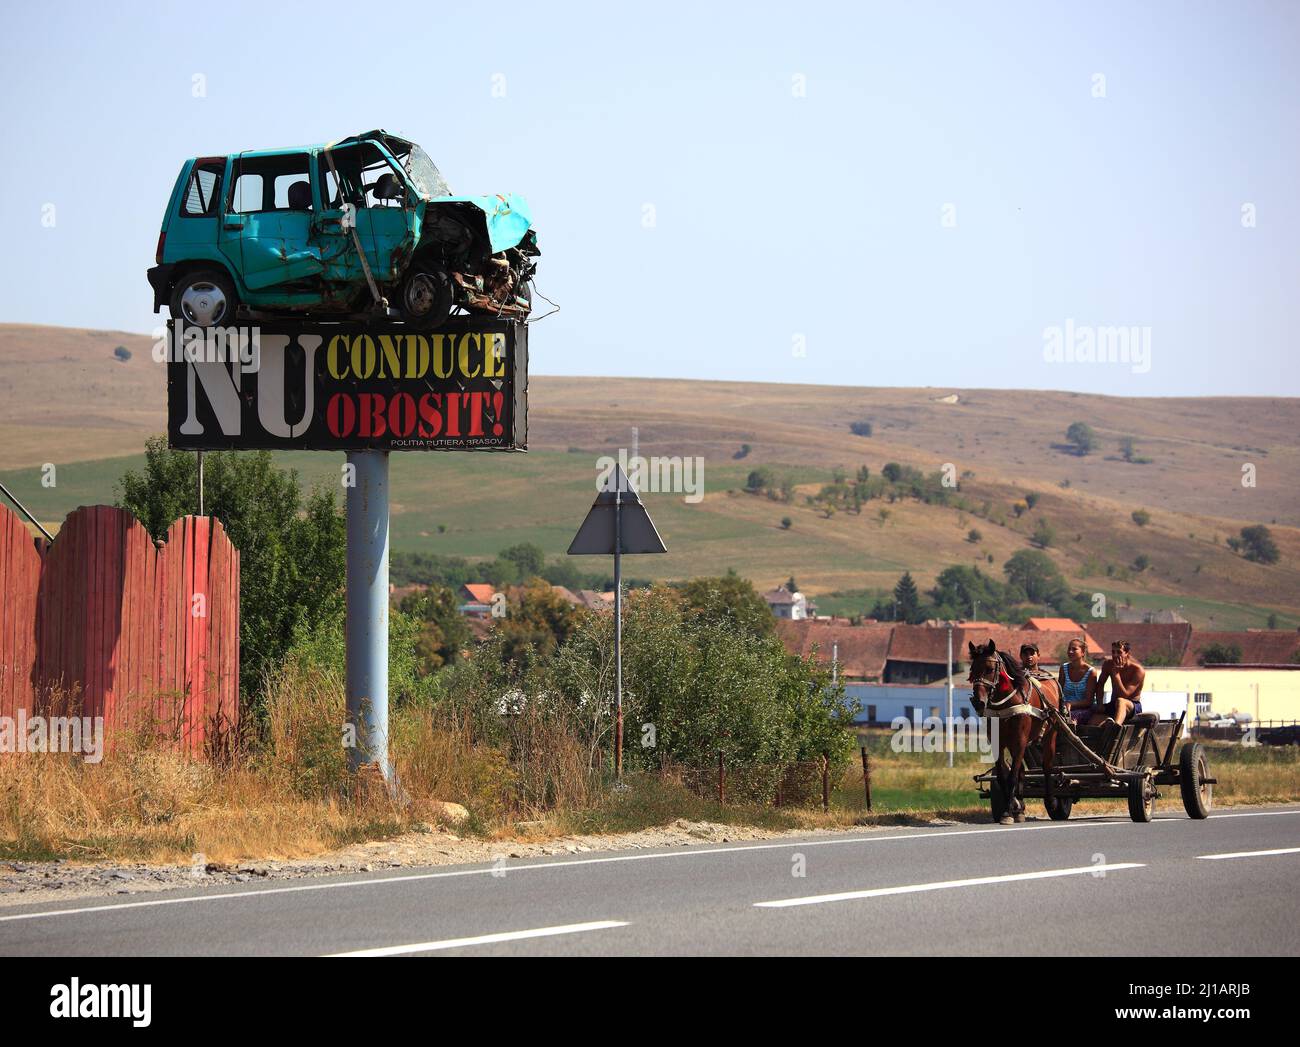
x=66, y=399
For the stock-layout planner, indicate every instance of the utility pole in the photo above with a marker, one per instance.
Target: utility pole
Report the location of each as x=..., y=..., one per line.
x=949, y=733
x=618, y=625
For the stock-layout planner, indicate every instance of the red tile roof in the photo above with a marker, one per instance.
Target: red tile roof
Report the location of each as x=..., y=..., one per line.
x=1258, y=646
x=1054, y=625
x=479, y=592
x=1150, y=643
x=862, y=648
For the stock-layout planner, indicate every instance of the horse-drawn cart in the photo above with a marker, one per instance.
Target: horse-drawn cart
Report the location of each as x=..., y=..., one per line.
x=1113, y=762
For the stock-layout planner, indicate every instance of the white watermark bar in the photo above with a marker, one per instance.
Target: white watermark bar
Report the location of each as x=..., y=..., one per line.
x=53, y=734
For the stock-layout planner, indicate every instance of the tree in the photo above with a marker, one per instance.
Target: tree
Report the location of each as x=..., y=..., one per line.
x=443, y=631
x=730, y=598
x=1257, y=545
x=860, y=428
x=1044, y=533
x=122, y=353
x=892, y=472
x=1141, y=517
x=759, y=480
x=958, y=590
x=529, y=560
x=1031, y=499
x=291, y=551
x=537, y=622
x=1219, y=654
x=1127, y=448
x=973, y=536
x=786, y=523
x=1083, y=437
x=1035, y=576
x=908, y=599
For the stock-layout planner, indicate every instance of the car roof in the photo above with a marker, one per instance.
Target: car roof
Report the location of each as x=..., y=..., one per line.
x=379, y=134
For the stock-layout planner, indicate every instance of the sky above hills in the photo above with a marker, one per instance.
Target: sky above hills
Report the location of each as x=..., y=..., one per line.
x=857, y=194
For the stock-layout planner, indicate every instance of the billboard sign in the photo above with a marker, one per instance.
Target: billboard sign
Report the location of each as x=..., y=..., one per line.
x=384, y=386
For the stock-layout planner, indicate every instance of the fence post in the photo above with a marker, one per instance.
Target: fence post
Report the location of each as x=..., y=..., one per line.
x=826, y=782
x=866, y=776
x=722, y=779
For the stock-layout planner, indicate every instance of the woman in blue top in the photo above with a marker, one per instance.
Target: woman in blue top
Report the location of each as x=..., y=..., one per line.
x=1078, y=681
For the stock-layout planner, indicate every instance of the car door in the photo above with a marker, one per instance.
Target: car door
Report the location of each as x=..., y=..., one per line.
x=272, y=208
x=359, y=183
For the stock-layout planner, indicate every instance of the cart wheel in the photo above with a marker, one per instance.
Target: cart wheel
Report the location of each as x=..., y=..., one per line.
x=1141, y=798
x=997, y=800
x=1058, y=809
x=1193, y=769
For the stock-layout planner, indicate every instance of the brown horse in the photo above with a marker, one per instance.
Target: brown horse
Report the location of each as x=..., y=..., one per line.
x=1002, y=690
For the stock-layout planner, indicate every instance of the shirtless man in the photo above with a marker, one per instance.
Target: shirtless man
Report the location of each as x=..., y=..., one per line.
x=1126, y=677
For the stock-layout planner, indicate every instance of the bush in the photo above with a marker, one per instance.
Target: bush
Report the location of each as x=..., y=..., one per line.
x=1082, y=437
x=860, y=428
x=1141, y=517
x=1257, y=545
x=786, y=523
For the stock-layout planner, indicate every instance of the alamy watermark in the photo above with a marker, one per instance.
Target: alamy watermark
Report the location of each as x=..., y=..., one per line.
x=1085, y=344
x=675, y=475
x=53, y=734
x=930, y=734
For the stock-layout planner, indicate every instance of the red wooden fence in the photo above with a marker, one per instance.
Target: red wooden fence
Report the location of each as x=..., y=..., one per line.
x=144, y=633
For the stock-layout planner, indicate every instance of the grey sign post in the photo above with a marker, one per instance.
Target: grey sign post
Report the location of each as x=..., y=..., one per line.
x=617, y=523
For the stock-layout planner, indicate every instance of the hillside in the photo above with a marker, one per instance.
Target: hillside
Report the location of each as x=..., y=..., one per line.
x=68, y=401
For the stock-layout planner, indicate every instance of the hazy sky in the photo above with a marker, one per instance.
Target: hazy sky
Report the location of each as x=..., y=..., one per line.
x=896, y=194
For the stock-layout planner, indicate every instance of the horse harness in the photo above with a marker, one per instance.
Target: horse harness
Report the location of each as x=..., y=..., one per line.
x=1001, y=708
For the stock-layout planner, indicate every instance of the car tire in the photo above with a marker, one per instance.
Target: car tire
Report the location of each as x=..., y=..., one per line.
x=426, y=297
x=204, y=298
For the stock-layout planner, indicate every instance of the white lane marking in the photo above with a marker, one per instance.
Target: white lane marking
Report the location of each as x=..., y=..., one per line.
x=485, y=939
x=1248, y=854
x=943, y=885
x=691, y=852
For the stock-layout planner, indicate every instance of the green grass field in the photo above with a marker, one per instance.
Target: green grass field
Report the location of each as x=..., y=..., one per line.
x=542, y=497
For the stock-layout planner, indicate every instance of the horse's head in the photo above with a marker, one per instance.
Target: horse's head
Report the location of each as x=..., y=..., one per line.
x=993, y=674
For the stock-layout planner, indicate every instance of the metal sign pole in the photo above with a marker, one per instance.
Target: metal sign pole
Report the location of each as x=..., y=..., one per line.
x=367, y=610
x=618, y=629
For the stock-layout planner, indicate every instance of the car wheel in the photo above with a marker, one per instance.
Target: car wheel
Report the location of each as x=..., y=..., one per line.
x=204, y=298
x=426, y=297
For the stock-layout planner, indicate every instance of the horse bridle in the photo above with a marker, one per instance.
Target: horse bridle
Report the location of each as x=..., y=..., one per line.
x=992, y=684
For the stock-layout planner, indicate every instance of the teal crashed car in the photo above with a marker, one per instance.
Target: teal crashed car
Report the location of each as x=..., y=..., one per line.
x=360, y=226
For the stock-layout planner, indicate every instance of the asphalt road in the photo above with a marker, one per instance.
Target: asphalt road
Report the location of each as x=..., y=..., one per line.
x=1225, y=886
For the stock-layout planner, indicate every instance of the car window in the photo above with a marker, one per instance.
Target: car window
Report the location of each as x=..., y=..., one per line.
x=247, y=196
x=361, y=170
x=202, y=191
x=271, y=183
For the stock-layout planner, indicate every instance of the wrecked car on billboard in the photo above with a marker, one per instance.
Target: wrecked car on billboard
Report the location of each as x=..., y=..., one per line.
x=353, y=228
